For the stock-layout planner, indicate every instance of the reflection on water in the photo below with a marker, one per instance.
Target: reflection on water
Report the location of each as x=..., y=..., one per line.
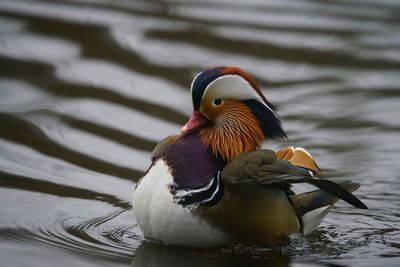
x=157, y=255
x=87, y=88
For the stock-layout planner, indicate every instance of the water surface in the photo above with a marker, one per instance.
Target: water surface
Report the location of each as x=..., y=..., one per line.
x=87, y=88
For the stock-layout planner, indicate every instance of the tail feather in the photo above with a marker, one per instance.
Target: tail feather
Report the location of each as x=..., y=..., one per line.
x=312, y=207
x=311, y=220
x=337, y=190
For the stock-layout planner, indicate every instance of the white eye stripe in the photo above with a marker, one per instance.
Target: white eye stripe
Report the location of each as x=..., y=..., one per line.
x=191, y=85
x=233, y=86
x=238, y=87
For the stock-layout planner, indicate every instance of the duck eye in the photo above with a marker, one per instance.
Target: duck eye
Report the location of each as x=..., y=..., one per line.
x=217, y=101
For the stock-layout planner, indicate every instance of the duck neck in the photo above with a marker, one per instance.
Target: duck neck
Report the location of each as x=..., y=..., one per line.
x=233, y=134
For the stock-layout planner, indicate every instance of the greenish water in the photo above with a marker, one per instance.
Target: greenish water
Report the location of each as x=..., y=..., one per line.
x=87, y=88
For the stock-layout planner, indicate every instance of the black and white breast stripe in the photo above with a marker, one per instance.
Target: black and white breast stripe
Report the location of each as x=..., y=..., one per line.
x=207, y=195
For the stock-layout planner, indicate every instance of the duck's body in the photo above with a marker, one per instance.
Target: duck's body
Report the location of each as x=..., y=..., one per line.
x=156, y=210
x=214, y=221
x=161, y=218
x=211, y=185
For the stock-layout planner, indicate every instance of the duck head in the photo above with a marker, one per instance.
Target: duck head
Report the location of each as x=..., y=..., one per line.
x=230, y=113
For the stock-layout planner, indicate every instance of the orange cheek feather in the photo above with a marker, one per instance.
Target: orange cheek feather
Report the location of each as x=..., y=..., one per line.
x=235, y=130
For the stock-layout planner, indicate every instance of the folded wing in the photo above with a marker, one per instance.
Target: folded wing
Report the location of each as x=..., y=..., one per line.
x=263, y=168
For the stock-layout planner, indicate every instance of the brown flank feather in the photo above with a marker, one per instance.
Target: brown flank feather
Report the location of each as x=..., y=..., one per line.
x=235, y=132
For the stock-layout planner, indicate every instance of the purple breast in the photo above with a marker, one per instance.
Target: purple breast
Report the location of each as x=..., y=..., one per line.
x=192, y=165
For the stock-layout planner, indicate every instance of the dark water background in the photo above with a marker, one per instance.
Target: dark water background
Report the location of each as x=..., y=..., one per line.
x=87, y=88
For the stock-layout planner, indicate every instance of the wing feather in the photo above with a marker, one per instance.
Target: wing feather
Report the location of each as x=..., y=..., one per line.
x=263, y=168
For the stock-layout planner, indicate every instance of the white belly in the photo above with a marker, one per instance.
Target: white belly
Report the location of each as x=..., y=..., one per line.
x=161, y=219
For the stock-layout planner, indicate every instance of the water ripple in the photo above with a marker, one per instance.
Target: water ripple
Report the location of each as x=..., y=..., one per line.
x=89, y=87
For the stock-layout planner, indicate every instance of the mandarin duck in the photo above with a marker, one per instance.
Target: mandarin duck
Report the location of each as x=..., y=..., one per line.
x=212, y=184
